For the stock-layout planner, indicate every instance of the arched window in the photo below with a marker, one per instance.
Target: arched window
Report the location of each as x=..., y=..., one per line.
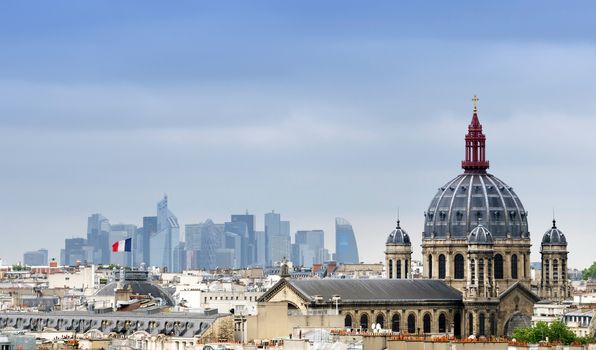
x=411, y=324
x=442, y=323
x=473, y=272
x=442, y=266
x=481, y=324
x=514, y=266
x=459, y=266
x=457, y=325
x=493, y=325
x=406, y=268
x=480, y=272
x=364, y=322
x=395, y=323
x=470, y=324
x=380, y=320
x=348, y=321
x=430, y=266
x=398, y=270
x=498, y=267
x=390, y=268
x=426, y=323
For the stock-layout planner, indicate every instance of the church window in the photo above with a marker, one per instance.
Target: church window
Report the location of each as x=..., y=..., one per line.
x=459, y=266
x=395, y=323
x=493, y=325
x=406, y=268
x=430, y=266
x=398, y=270
x=470, y=324
x=348, y=321
x=481, y=324
x=441, y=266
x=514, y=266
x=442, y=323
x=498, y=267
x=480, y=272
x=563, y=270
x=390, y=268
x=555, y=271
x=380, y=320
x=426, y=323
x=411, y=324
x=364, y=322
x=489, y=268
x=546, y=268
x=473, y=272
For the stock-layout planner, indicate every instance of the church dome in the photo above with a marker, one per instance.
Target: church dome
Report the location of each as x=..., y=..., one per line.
x=554, y=236
x=480, y=235
x=474, y=197
x=398, y=236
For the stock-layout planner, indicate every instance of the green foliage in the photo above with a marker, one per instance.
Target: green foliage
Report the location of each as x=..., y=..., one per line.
x=19, y=267
x=555, y=332
x=590, y=272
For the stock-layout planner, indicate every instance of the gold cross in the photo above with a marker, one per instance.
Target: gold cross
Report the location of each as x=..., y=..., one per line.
x=475, y=99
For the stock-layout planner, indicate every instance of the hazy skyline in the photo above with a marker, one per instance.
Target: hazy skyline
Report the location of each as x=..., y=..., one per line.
x=313, y=109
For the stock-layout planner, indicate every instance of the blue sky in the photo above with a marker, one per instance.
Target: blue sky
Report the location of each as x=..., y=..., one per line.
x=314, y=109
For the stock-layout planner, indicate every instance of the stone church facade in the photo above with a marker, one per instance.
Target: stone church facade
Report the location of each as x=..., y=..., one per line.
x=476, y=257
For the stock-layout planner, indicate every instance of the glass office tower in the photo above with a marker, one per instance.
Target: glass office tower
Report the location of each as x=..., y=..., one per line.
x=346, y=250
x=163, y=242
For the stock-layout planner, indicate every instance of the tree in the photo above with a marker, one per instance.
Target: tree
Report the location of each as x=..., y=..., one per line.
x=556, y=331
x=590, y=272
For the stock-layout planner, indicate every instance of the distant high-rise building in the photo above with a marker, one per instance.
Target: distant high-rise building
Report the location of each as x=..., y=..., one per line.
x=75, y=249
x=277, y=234
x=163, y=242
x=261, y=248
x=36, y=258
x=98, y=232
x=211, y=240
x=239, y=229
x=309, y=247
x=192, y=239
x=142, y=243
x=233, y=241
x=346, y=250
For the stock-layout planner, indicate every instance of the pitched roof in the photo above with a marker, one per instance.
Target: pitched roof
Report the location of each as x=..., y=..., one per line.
x=375, y=290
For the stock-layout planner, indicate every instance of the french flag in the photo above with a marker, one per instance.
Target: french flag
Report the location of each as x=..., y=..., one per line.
x=124, y=245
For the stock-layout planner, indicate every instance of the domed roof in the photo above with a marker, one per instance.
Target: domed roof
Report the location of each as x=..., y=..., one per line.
x=138, y=287
x=469, y=198
x=554, y=236
x=398, y=236
x=480, y=235
x=475, y=196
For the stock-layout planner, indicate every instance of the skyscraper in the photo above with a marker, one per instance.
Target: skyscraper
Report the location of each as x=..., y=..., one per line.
x=277, y=234
x=75, y=249
x=211, y=240
x=346, y=250
x=98, y=232
x=36, y=258
x=249, y=248
x=309, y=247
x=240, y=230
x=163, y=242
x=141, y=245
x=261, y=248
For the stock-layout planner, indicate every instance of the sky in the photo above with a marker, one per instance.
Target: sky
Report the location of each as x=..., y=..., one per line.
x=312, y=109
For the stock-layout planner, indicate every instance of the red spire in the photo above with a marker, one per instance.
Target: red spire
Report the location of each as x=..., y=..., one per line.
x=475, y=148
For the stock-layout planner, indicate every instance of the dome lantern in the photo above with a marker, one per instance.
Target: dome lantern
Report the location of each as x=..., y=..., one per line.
x=475, y=145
